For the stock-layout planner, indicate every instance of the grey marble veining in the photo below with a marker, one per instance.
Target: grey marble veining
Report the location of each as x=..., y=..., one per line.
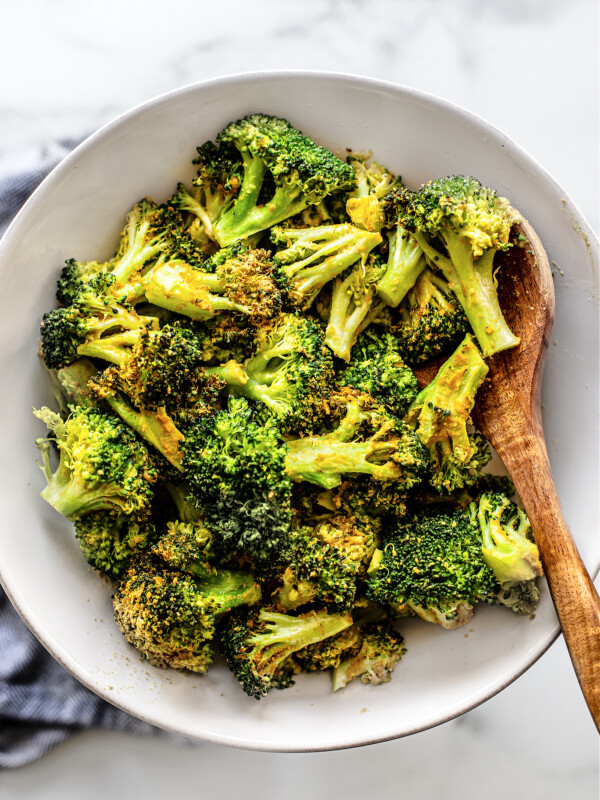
x=530, y=67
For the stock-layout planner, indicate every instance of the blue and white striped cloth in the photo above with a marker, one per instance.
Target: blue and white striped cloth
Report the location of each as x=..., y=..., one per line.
x=40, y=703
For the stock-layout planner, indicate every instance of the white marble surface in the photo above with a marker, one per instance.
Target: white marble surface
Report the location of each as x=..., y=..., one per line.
x=530, y=67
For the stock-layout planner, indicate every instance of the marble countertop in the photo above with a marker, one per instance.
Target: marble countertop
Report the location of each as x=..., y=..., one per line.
x=529, y=67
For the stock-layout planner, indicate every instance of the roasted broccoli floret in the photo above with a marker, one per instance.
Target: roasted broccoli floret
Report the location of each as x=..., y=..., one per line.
x=329, y=653
x=102, y=465
x=351, y=301
x=214, y=190
x=236, y=471
x=370, y=500
x=308, y=258
x=170, y=617
x=381, y=647
x=431, y=321
x=440, y=563
x=81, y=329
x=327, y=561
x=405, y=260
x=472, y=223
x=440, y=415
x=290, y=372
x=257, y=644
x=109, y=540
x=377, y=368
x=367, y=440
x=158, y=368
x=508, y=546
x=282, y=172
x=432, y=566
x=144, y=237
x=236, y=279
x=373, y=183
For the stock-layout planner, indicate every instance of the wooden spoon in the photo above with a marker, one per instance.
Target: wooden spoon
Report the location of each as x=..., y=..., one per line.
x=508, y=413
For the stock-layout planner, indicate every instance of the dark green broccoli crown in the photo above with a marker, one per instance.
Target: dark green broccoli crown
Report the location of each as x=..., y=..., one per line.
x=283, y=172
x=463, y=206
x=165, y=617
x=177, y=241
x=257, y=644
x=76, y=275
x=377, y=368
x=103, y=465
x=236, y=470
x=294, y=370
x=431, y=322
x=329, y=653
x=332, y=573
x=381, y=647
x=432, y=561
x=186, y=546
x=507, y=541
x=165, y=368
x=219, y=168
x=291, y=158
x=61, y=332
x=108, y=540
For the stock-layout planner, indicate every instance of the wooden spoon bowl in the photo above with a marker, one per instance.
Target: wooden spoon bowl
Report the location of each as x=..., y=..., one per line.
x=508, y=413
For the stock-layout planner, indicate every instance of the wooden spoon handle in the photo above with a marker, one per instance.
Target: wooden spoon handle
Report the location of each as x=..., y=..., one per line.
x=575, y=597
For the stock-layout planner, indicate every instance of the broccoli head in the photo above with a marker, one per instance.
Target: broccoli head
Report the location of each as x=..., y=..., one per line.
x=431, y=319
x=290, y=372
x=367, y=440
x=351, y=301
x=102, y=465
x=236, y=279
x=282, y=173
x=170, y=617
x=308, y=258
x=381, y=647
x=440, y=415
x=236, y=471
x=258, y=643
x=377, y=368
x=327, y=561
x=472, y=223
x=109, y=540
x=432, y=566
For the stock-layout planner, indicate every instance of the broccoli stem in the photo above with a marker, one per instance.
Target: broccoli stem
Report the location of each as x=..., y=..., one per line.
x=347, y=245
x=405, y=264
x=236, y=377
x=246, y=217
x=73, y=500
x=184, y=290
x=229, y=589
x=156, y=427
x=321, y=460
x=475, y=286
x=348, y=311
x=114, y=349
x=443, y=407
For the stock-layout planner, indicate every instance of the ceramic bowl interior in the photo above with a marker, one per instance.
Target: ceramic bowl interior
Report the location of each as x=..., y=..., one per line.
x=78, y=212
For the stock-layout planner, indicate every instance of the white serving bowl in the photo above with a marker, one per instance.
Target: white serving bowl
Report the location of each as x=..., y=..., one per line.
x=78, y=211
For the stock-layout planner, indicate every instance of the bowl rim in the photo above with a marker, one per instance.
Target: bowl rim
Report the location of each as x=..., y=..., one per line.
x=88, y=144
